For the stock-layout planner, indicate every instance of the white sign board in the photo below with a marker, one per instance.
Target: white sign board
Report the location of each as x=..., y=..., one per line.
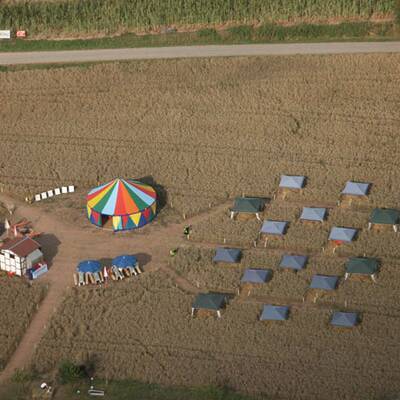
x=5, y=34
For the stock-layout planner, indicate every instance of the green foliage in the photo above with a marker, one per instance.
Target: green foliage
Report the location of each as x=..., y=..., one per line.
x=397, y=12
x=242, y=33
x=274, y=32
x=208, y=33
x=112, y=15
x=21, y=376
x=69, y=372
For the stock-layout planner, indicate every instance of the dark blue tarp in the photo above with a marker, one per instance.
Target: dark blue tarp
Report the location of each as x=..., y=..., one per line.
x=124, y=261
x=344, y=319
x=324, y=282
x=252, y=275
x=293, y=261
x=89, y=266
x=227, y=255
x=274, y=313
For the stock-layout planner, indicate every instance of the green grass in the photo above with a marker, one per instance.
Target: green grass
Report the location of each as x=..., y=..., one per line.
x=109, y=16
x=123, y=390
x=267, y=33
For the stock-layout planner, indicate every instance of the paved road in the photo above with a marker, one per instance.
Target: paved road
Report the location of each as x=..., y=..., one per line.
x=43, y=57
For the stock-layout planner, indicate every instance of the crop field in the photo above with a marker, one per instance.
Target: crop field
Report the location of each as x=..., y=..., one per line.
x=205, y=131
x=128, y=330
x=269, y=117
x=19, y=301
x=72, y=16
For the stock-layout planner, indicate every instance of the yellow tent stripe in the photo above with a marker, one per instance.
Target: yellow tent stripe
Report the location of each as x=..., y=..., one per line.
x=135, y=218
x=116, y=222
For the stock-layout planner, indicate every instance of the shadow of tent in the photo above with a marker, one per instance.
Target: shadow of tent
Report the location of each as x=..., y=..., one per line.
x=49, y=244
x=162, y=195
x=105, y=262
x=143, y=259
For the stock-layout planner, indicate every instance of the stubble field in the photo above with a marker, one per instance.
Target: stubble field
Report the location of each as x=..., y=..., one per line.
x=205, y=131
x=19, y=301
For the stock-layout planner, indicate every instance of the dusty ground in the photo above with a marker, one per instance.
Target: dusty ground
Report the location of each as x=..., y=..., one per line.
x=19, y=301
x=206, y=131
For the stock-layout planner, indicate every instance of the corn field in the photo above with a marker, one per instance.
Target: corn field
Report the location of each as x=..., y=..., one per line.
x=112, y=15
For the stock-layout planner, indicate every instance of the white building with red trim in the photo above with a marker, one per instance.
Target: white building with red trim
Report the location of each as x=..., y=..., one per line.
x=19, y=254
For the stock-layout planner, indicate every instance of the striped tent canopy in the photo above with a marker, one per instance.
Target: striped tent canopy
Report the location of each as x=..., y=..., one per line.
x=121, y=204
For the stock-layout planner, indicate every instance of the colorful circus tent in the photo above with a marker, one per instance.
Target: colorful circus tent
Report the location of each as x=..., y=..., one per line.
x=121, y=204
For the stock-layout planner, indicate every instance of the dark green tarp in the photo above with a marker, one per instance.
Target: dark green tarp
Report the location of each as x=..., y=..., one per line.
x=209, y=301
x=248, y=204
x=361, y=265
x=384, y=216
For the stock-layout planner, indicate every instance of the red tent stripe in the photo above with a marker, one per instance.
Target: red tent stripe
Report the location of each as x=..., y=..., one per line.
x=151, y=193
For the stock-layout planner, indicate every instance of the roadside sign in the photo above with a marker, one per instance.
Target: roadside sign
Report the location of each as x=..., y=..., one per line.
x=21, y=34
x=5, y=34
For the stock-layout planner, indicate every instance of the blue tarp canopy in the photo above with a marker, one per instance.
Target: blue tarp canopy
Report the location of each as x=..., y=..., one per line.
x=293, y=261
x=292, y=181
x=124, y=261
x=342, y=234
x=253, y=275
x=227, y=255
x=271, y=227
x=313, y=214
x=344, y=319
x=274, y=313
x=89, y=266
x=324, y=282
x=356, y=188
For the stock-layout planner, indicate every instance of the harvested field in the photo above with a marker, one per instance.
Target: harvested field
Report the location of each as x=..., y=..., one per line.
x=324, y=128
x=237, y=350
x=206, y=131
x=19, y=301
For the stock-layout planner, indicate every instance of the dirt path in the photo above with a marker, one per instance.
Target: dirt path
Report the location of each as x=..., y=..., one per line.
x=74, y=244
x=43, y=57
